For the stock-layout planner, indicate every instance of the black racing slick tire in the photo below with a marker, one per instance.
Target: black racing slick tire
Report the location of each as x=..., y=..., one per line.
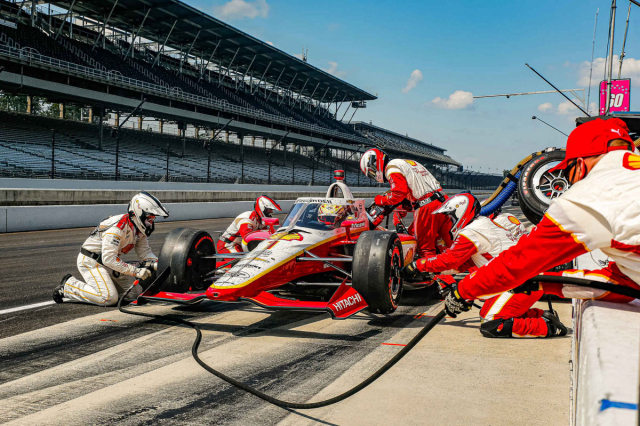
x=183, y=250
x=377, y=270
x=537, y=186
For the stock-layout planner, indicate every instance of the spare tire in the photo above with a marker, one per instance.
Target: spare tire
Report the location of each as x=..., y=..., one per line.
x=183, y=250
x=377, y=270
x=537, y=186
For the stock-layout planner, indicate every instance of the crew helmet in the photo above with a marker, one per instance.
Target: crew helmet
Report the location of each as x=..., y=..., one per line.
x=332, y=214
x=265, y=206
x=141, y=207
x=462, y=209
x=372, y=164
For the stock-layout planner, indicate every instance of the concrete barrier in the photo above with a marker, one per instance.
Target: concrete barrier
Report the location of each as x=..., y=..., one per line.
x=605, y=358
x=36, y=218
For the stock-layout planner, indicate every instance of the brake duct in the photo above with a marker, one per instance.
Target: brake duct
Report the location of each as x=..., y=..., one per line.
x=625, y=291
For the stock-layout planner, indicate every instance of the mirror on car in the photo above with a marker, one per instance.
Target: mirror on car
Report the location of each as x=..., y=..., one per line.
x=271, y=222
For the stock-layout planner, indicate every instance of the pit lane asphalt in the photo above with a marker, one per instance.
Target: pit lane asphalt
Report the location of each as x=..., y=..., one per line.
x=82, y=364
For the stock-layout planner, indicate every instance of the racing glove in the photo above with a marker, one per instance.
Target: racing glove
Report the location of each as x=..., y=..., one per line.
x=454, y=304
x=379, y=200
x=143, y=273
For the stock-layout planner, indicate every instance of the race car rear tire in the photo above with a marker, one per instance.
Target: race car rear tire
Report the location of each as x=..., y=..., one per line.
x=537, y=187
x=183, y=250
x=377, y=270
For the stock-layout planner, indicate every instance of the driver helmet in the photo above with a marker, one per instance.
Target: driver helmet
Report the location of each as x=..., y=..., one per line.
x=143, y=210
x=332, y=214
x=372, y=164
x=265, y=206
x=462, y=209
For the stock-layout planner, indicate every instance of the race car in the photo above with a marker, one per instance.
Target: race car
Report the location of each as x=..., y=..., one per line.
x=330, y=254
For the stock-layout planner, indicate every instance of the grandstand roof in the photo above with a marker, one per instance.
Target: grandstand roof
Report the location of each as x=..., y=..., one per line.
x=233, y=46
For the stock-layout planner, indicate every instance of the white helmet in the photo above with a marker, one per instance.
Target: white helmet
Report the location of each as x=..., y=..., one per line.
x=141, y=206
x=462, y=209
x=372, y=164
x=265, y=206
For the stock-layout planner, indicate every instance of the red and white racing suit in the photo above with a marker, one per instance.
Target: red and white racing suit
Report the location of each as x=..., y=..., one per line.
x=477, y=244
x=411, y=181
x=231, y=240
x=601, y=211
x=105, y=277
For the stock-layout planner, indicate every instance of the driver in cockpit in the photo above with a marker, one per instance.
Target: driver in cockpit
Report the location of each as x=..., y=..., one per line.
x=332, y=215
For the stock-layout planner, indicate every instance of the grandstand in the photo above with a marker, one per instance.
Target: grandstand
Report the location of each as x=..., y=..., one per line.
x=267, y=117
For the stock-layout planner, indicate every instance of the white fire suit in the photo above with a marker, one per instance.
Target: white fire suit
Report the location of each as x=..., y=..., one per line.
x=231, y=240
x=106, y=277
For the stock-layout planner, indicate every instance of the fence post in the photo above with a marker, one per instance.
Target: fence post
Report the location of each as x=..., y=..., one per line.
x=241, y=139
x=117, y=151
x=53, y=153
x=209, y=162
x=167, y=172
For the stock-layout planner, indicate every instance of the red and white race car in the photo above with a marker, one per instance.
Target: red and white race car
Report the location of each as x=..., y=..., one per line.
x=330, y=254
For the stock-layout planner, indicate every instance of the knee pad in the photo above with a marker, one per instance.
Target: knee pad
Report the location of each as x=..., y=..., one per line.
x=497, y=328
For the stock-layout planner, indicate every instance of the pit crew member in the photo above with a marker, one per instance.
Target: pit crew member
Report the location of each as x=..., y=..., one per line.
x=479, y=239
x=599, y=211
x=412, y=182
x=99, y=261
x=253, y=220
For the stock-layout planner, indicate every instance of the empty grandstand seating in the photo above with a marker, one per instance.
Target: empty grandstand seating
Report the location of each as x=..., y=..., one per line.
x=26, y=151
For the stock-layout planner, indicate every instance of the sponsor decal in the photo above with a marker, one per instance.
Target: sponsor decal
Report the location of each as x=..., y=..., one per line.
x=237, y=274
x=346, y=302
x=358, y=225
x=128, y=248
x=514, y=220
x=281, y=236
x=411, y=162
x=631, y=162
x=409, y=256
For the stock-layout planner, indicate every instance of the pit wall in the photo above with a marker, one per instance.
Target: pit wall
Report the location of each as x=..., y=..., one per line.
x=605, y=358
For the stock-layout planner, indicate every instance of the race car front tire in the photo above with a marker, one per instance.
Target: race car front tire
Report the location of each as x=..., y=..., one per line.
x=183, y=250
x=377, y=270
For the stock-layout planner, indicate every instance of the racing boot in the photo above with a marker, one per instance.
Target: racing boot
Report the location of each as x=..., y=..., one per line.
x=58, y=293
x=554, y=326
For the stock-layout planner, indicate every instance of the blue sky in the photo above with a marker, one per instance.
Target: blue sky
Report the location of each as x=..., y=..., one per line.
x=468, y=46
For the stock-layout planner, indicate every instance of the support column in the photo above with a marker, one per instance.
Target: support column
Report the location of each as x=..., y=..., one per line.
x=91, y=115
x=253, y=141
x=241, y=142
x=197, y=131
x=62, y=111
x=29, y=103
x=101, y=128
x=226, y=137
x=117, y=118
x=140, y=123
x=161, y=126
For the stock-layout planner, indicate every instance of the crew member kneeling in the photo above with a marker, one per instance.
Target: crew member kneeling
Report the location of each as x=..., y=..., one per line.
x=99, y=260
x=479, y=240
x=599, y=211
x=231, y=240
x=412, y=182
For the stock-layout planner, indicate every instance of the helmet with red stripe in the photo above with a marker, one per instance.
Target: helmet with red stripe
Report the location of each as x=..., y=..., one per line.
x=462, y=209
x=265, y=206
x=373, y=163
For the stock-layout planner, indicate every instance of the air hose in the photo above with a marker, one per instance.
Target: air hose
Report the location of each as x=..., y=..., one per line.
x=506, y=188
x=621, y=290
x=275, y=401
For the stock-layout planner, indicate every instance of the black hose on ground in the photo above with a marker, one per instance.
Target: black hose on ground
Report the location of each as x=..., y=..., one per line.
x=275, y=401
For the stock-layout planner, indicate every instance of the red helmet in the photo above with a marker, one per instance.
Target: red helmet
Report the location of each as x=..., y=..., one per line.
x=462, y=209
x=265, y=206
x=372, y=164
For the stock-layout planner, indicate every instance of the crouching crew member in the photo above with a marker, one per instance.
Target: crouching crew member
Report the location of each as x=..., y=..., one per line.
x=411, y=181
x=599, y=211
x=478, y=240
x=99, y=261
x=231, y=240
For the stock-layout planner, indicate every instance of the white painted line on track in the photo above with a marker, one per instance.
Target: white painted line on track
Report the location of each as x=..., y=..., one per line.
x=25, y=307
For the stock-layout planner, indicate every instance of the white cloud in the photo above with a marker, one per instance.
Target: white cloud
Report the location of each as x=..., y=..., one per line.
x=240, y=9
x=412, y=82
x=630, y=69
x=270, y=43
x=457, y=100
x=333, y=70
x=566, y=108
x=545, y=107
